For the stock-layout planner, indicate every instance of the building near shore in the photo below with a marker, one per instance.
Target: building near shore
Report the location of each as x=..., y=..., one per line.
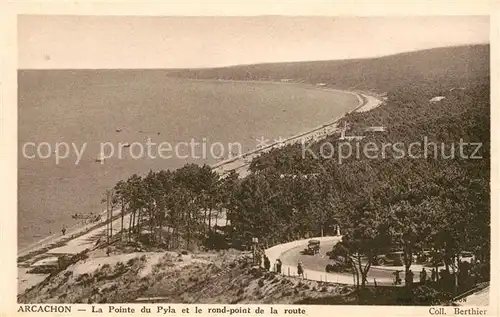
x=437, y=98
x=305, y=176
x=344, y=137
x=375, y=129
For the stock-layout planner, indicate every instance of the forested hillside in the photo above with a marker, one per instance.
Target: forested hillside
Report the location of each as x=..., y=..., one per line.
x=453, y=65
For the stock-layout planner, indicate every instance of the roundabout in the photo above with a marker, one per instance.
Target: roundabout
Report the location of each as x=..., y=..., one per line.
x=314, y=265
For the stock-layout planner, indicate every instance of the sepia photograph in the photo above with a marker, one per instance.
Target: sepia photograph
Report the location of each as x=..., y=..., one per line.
x=297, y=160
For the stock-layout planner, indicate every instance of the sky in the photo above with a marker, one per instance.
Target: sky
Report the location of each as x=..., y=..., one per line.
x=109, y=42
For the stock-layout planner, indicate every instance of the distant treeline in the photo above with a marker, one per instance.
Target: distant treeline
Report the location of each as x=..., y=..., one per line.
x=455, y=65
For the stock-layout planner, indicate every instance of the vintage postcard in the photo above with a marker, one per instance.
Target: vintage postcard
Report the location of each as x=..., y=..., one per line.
x=245, y=164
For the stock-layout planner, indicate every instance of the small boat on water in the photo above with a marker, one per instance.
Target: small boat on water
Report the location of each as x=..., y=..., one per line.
x=126, y=145
x=118, y=130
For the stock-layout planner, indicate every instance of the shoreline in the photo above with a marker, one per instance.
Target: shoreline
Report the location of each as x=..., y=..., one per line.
x=364, y=100
x=55, y=240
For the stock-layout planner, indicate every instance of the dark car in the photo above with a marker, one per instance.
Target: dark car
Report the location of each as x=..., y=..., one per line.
x=312, y=247
x=422, y=256
x=334, y=267
x=392, y=258
x=338, y=265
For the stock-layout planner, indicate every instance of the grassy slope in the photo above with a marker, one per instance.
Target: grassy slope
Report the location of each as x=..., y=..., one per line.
x=217, y=278
x=209, y=278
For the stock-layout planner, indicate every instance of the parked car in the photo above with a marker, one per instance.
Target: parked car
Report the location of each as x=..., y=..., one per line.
x=338, y=265
x=423, y=256
x=335, y=267
x=312, y=247
x=392, y=258
x=466, y=256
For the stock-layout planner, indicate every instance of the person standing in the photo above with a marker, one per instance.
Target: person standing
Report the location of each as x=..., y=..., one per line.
x=397, y=278
x=278, y=266
x=267, y=263
x=259, y=257
x=300, y=270
x=63, y=231
x=433, y=275
x=409, y=278
x=423, y=276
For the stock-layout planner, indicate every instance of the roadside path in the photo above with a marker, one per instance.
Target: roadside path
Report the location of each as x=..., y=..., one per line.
x=54, y=240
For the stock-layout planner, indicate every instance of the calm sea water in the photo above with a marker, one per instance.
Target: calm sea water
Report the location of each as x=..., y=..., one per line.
x=89, y=106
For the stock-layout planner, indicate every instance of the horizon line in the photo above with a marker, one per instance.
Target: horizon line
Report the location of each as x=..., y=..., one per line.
x=266, y=63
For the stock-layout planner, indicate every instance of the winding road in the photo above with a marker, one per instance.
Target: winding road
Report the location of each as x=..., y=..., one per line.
x=314, y=266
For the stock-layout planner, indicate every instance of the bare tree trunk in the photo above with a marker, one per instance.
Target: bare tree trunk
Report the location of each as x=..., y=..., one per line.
x=455, y=271
x=132, y=229
x=210, y=219
x=123, y=215
x=205, y=219
x=139, y=222
x=361, y=271
x=110, y=220
x=152, y=224
x=437, y=272
x=130, y=225
x=160, y=225
x=188, y=228
x=408, y=257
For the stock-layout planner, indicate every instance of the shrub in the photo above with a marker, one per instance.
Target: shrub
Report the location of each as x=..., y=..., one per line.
x=256, y=272
x=99, y=276
x=424, y=295
x=287, y=293
x=131, y=261
x=193, y=278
